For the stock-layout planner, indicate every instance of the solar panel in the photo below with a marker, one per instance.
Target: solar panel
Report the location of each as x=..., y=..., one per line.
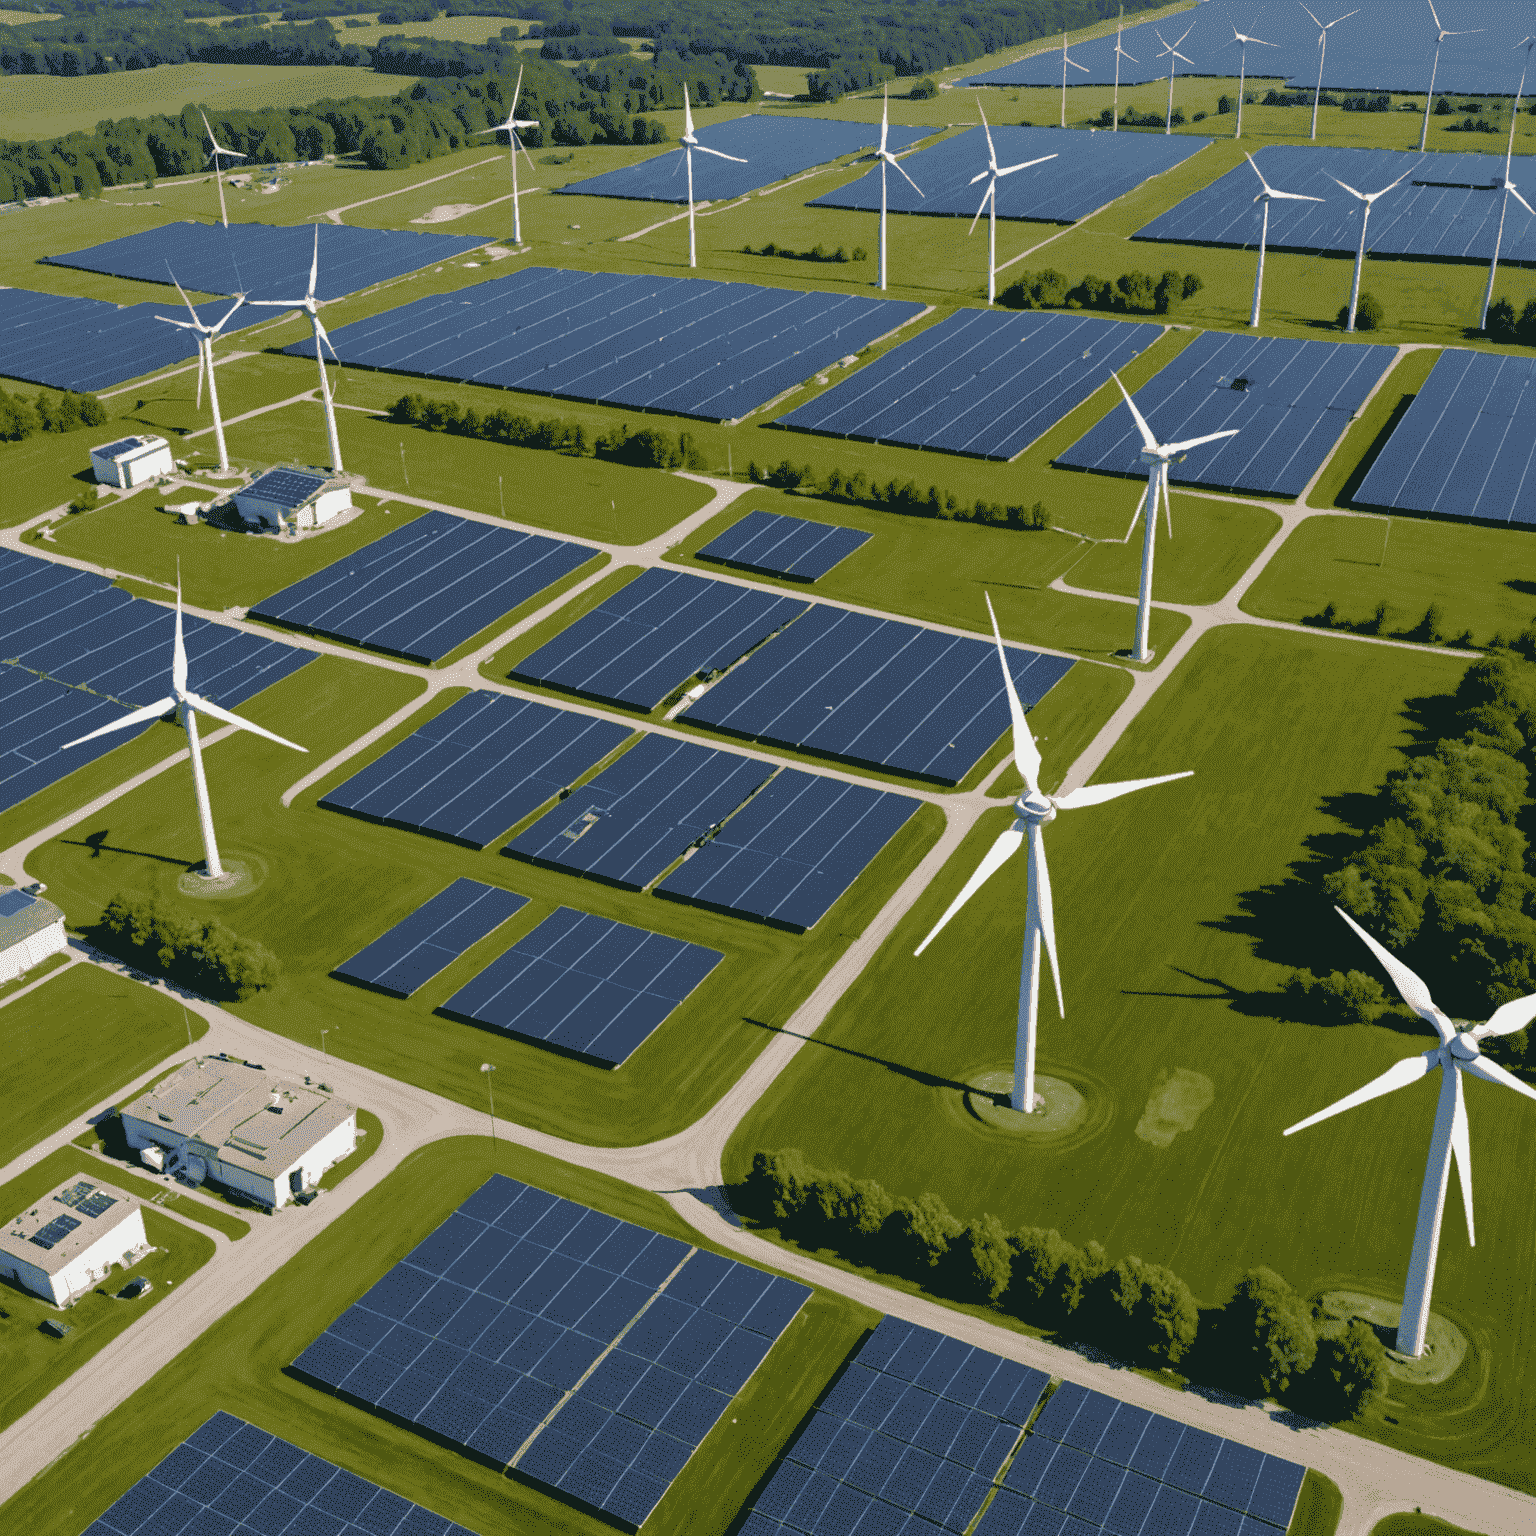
x=285, y=487
x=584, y=985
x=784, y=546
x=1274, y=1496
x=657, y=632
x=876, y=692
x=84, y=1197
x=691, y=346
x=478, y=768
x=440, y=930
x=983, y=382
x=1290, y=402
x=424, y=589
x=55, y=1232
x=122, y=445
x=1191, y=1463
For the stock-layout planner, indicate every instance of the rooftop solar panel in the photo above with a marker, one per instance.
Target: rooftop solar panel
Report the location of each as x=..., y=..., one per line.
x=122, y=445
x=784, y=546
x=285, y=487
x=478, y=768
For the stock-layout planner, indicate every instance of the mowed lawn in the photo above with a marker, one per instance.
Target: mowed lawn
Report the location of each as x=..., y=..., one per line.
x=1172, y=963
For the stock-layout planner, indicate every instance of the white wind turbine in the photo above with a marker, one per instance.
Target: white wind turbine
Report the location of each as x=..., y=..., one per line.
x=1120, y=53
x=1242, y=40
x=1322, y=53
x=1032, y=810
x=691, y=143
x=510, y=128
x=1075, y=65
x=886, y=158
x=311, y=307
x=1172, y=50
x=1367, y=198
x=189, y=706
x=1509, y=187
x=1440, y=36
x=992, y=175
x=1459, y=1052
x=206, y=336
x=1155, y=456
x=1267, y=196
x=213, y=154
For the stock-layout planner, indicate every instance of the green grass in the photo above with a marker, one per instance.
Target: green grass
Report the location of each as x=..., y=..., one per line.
x=73, y=1042
x=370, y=1130
x=239, y=1365
x=32, y=1363
x=1318, y=1506
x=30, y=978
x=1417, y=1525
x=49, y=469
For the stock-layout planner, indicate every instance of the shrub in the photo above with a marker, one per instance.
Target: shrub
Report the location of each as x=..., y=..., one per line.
x=924, y=90
x=981, y=1261
x=1266, y=1335
x=1223, y=105
x=1340, y=997
x=1350, y=1373
x=1047, y=1275
x=1369, y=314
x=203, y=955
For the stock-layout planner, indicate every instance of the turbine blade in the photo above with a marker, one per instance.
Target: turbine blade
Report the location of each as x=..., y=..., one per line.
x=517, y=90
x=1492, y=1072
x=979, y=176
x=205, y=707
x=526, y=156
x=997, y=855
x=986, y=128
x=1198, y=442
x=179, y=646
x=1374, y=195
x=1257, y=172
x=1308, y=10
x=181, y=325
x=1508, y=1018
x=184, y=299
x=981, y=210
x=1410, y=987
x=137, y=717
x=1296, y=197
x=1026, y=754
x=1514, y=194
x=322, y=335
x=704, y=149
x=1040, y=889
x=1432, y=11
x=687, y=112
x=1162, y=481
x=1147, y=440
x=885, y=115
x=1023, y=165
x=276, y=303
x=1097, y=794
x=314, y=265
x=1395, y=1077
x=239, y=300
x=896, y=165
x=1076, y=65
x=1361, y=195
x=1461, y=1151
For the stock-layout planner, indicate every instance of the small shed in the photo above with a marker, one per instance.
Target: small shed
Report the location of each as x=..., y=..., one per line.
x=69, y=1241
x=31, y=929
x=131, y=461
x=291, y=499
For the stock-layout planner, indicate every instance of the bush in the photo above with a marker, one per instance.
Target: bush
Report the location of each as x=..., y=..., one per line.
x=1266, y=1335
x=924, y=90
x=1141, y=1309
x=205, y=956
x=1501, y=321
x=1525, y=329
x=1369, y=314
x=48, y=413
x=1131, y=292
x=646, y=449
x=1340, y=997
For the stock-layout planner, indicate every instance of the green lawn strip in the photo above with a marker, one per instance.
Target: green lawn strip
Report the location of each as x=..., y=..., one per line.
x=48, y=469
x=118, y=1169
x=370, y=1131
x=1318, y=1507
x=1415, y=1524
x=32, y=977
x=240, y=1365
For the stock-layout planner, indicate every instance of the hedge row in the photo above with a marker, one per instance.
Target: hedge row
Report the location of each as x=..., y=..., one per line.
x=205, y=956
x=1130, y=293
x=20, y=417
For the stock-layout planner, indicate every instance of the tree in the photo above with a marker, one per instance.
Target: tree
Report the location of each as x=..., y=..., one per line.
x=919, y=1234
x=1340, y=997
x=924, y=90
x=1047, y=1276
x=1501, y=321
x=1369, y=314
x=1525, y=330
x=1266, y=1333
x=1142, y=1309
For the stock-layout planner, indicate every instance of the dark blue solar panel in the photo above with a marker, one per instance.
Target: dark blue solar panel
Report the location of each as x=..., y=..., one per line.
x=1290, y=402
x=1090, y=1421
x=784, y=546
x=432, y=937
x=654, y=634
x=425, y=588
x=1192, y=1461
x=1215, y=1520
x=1129, y=1511
x=1172, y=1514
x=1097, y=1491
x=1159, y=1440
x=984, y=382
x=1057, y=1416
x=478, y=768
x=691, y=346
x=1010, y=1514
x=1274, y=1496
x=1119, y=1440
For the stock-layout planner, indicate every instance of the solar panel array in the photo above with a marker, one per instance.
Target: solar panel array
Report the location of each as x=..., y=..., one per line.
x=877, y=692
x=661, y=629
x=230, y=1477
x=427, y=587
x=589, y=1354
x=1447, y=207
x=985, y=382
x=641, y=812
x=585, y=986
x=773, y=147
x=267, y=261
x=1090, y=170
x=432, y=937
x=1290, y=402
x=1093, y=1463
x=284, y=487
x=784, y=546
x=478, y=768
x=1466, y=446
x=692, y=346
x=792, y=850
x=906, y=1443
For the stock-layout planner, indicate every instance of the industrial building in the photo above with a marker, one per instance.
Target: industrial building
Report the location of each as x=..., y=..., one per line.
x=240, y=1126
x=132, y=461
x=69, y=1241
x=288, y=500
x=31, y=929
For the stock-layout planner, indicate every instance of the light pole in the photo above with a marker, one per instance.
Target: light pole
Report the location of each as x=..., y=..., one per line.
x=323, y=1034
x=487, y=1068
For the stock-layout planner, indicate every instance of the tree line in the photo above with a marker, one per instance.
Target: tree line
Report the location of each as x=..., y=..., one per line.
x=201, y=954
x=21, y=418
x=1131, y=293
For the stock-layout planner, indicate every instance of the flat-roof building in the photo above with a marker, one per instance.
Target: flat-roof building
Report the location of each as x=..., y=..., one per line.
x=131, y=461
x=31, y=929
x=69, y=1241
x=290, y=499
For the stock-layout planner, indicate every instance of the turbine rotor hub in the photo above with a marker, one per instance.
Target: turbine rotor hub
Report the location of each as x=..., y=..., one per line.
x=1034, y=808
x=1465, y=1047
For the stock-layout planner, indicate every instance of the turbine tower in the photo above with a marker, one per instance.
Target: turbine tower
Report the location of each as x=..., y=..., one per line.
x=1368, y=198
x=1459, y=1053
x=1172, y=50
x=1267, y=196
x=213, y=154
x=206, y=336
x=311, y=307
x=1075, y=65
x=510, y=128
x=691, y=143
x=1440, y=36
x=189, y=705
x=1120, y=53
x=886, y=158
x=1509, y=186
x=1242, y=40
x=1322, y=53
x=1032, y=811
x=992, y=175
x=1155, y=456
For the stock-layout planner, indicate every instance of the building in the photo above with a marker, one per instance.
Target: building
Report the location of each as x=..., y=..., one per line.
x=241, y=1127
x=290, y=499
x=69, y=1241
x=31, y=929
x=131, y=461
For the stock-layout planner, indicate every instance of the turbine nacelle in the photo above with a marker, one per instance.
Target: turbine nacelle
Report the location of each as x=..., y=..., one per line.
x=1034, y=809
x=1464, y=1047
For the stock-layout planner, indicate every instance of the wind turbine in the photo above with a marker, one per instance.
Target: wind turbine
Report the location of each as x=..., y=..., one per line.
x=206, y=336
x=1032, y=810
x=1242, y=40
x=1267, y=196
x=886, y=158
x=1509, y=187
x=691, y=143
x=1120, y=53
x=1155, y=456
x=1368, y=198
x=1172, y=50
x=189, y=705
x=995, y=172
x=311, y=307
x=510, y=128
x=1075, y=65
x=213, y=154
x=1440, y=36
x=1459, y=1052
x=1322, y=53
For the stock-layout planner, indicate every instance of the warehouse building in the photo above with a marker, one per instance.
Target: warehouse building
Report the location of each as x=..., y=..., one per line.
x=240, y=1126
x=131, y=461
x=288, y=500
x=31, y=929
x=69, y=1241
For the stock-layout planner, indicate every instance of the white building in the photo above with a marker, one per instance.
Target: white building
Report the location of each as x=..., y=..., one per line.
x=290, y=499
x=131, y=461
x=71, y=1238
x=31, y=929
x=241, y=1127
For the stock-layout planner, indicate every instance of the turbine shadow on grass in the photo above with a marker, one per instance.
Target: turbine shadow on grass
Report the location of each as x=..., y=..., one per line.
x=98, y=844
x=1524, y=588
x=915, y=1074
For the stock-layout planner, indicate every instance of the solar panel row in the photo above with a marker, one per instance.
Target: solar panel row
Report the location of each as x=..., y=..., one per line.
x=784, y=546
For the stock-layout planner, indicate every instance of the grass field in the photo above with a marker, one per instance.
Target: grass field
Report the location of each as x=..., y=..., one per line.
x=1318, y=1506
x=239, y=1365
x=1417, y=1525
